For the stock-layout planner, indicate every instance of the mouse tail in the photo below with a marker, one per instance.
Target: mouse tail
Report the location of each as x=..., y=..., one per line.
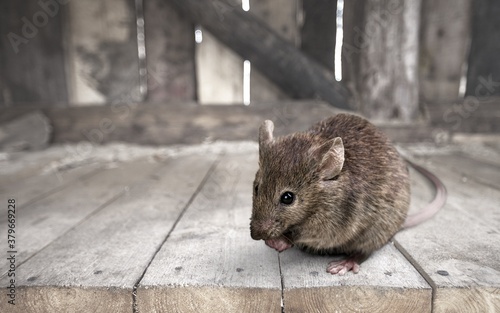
x=434, y=206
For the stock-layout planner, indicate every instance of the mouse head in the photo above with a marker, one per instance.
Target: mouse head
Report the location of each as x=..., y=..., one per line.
x=296, y=177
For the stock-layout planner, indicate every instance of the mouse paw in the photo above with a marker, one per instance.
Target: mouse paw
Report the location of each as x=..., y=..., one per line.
x=279, y=244
x=343, y=266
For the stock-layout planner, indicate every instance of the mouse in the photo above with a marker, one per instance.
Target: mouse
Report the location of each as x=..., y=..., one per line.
x=340, y=187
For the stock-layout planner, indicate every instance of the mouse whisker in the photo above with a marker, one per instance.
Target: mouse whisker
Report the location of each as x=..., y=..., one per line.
x=288, y=238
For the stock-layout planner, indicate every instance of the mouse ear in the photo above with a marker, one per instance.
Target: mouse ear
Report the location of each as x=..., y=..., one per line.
x=266, y=132
x=333, y=159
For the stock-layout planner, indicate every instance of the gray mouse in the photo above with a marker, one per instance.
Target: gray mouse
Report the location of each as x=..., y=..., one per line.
x=338, y=188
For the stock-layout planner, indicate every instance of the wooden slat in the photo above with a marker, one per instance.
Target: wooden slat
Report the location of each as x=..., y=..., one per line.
x=469, y=168
x=170, y=53
x=102, y=57
x=318, y=33
x=219, y=71
x=209, y=263
x=481, y=147
x=280, y=61
x=444, y=40
x=385, y=283
x=382, y=57
x=483, y=71
x=470, y=115
x=32, y=56
x=458, y=249
x=95, y=265
x=28, y=174
x=37, y=187
x=42, y=221
x=32, y=182
x=281, y=17
x=151, y=124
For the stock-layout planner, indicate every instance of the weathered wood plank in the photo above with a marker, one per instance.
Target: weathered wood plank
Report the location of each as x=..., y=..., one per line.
x=319, y=31
x=19, y=166
x=27, y=176
x=290, y=69
x=37, y=186
x=170, y=53
x=209, y=263
x=482, y=147
x=189, y=123
x=458, y=249
x=31, y=52
x=353, y=19
x=102, y=60
x=470, y=115
x=469, y=168
x=385, y=283
x=483, y=75
x=281, y=17
x=41, y=222
x=95, y=265
x=219, y=72
x=385, y=55
x=444, y=43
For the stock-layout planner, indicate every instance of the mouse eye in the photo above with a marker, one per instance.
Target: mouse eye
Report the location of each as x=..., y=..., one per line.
x=256, y=188
x=287, y=197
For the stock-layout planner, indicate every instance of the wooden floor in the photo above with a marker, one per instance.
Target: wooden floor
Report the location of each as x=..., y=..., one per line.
x=128, y=229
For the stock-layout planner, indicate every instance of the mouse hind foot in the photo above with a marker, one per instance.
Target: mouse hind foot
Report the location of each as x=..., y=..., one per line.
x=341, y=267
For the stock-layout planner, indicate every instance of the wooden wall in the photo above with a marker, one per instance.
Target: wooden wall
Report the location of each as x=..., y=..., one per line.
x=32, y=69
x=397, y=56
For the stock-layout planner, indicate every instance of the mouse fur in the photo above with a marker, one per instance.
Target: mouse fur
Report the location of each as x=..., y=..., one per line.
x=351, y=189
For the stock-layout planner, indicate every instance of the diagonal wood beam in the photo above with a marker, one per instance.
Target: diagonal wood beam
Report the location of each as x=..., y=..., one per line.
x=279, y=60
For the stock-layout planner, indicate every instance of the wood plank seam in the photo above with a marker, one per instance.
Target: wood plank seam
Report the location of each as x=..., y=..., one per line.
x=282, y=278
x=191, y=199
x=62, y=187
x=418, y=268
x=100, y=208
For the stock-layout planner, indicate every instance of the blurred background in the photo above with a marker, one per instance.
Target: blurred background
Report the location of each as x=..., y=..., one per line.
x=131, y=70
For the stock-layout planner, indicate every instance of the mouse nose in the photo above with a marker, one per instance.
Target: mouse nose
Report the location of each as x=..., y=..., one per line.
x=256, y=235
x=260, y=229
x=256, y=231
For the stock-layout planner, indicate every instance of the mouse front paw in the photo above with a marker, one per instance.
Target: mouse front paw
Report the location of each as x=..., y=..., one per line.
x=343, y=266
x=279, y=244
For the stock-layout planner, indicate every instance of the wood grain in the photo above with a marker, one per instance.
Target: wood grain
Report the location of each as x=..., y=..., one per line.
x=170, y=53
x=32, y=54
x=189, y=123
x=281, y=17
x=45, y=220
x=221, y=81
x=209, y=263
x=483, y=71
x=458, y=249
x=382, y=58
x=111, y=249
x=280, y=61
x=469, y=168
x=385, y=283
x=102, y=53
x=444, y=41
x=44, y=299
x=32, y=182
x=319, y=30
x=140, y=249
